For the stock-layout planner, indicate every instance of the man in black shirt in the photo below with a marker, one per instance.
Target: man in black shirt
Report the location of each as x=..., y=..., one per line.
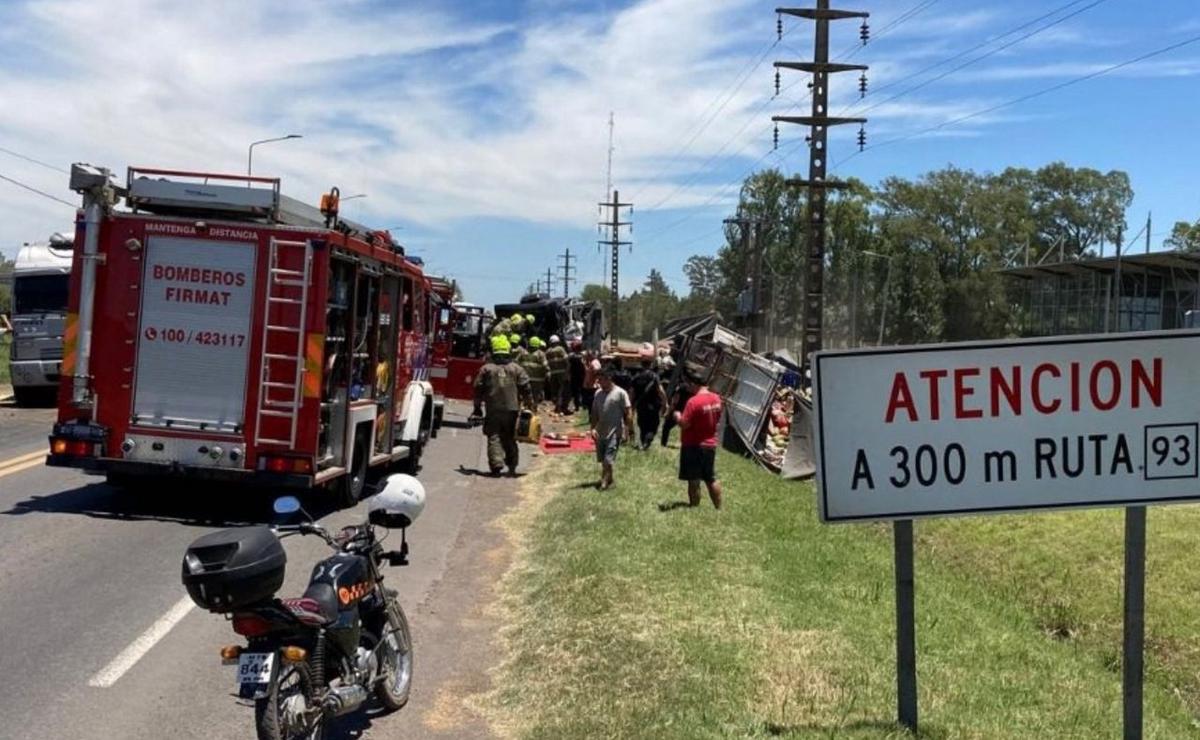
x=576, y=373
x=649, y=400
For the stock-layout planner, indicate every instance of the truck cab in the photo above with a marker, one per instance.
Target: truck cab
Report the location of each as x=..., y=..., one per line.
x=41, y=280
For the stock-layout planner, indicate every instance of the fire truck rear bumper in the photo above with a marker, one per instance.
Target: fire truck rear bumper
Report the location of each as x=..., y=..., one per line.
x=257, y=478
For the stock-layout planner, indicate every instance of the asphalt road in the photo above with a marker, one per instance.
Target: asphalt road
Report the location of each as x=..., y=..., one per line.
x=89, y=574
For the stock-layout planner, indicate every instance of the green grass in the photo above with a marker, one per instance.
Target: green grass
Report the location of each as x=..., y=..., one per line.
x=757, y=621
x=5, y=348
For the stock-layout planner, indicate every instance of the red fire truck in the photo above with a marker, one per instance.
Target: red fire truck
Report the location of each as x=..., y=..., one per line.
x=221, y=330
x=459, y=350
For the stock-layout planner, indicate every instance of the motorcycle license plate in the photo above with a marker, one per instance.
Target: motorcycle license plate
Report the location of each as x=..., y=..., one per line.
x=254, y=670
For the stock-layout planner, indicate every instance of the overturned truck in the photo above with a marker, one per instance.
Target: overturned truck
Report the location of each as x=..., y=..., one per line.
x=767, y=411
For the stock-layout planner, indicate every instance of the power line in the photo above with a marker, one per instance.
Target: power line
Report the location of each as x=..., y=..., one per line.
x=703, y=166
x=727, y=187
x=912, y=12
x=27, y=158
x=1030, y=96
x=899, y=20
x=983, y=56
x=32, y=189
x=977, y=47
x=739, y=82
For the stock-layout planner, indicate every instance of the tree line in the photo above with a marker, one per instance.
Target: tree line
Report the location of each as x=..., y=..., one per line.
x=924, y=254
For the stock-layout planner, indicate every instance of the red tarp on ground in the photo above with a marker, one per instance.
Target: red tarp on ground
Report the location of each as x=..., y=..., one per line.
x=566, y=446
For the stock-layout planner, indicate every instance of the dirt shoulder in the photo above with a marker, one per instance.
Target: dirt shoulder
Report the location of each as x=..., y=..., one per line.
x=458, y=623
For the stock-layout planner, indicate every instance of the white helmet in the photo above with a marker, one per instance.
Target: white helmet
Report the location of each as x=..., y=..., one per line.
x=554, y=339
x=400, y=500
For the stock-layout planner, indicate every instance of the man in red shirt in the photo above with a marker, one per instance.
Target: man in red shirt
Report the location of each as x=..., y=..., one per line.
x=698, y=441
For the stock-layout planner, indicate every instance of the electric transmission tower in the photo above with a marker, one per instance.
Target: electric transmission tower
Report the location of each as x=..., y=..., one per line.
x=614, y=225
x=566, y=268
x=819, y=122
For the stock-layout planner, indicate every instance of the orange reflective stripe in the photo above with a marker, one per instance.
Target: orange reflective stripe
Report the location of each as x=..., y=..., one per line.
x=314, y=349
x=70, y=340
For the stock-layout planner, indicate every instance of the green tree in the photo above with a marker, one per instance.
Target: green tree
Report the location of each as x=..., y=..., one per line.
x=1083, y=207
x=944, y=236
x=6, y=268
x=1185, y=236
x=594, y=292
x=645, y=310
x=703, y=274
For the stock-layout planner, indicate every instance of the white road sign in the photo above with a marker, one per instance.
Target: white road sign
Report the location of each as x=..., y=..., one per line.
x=983, y=427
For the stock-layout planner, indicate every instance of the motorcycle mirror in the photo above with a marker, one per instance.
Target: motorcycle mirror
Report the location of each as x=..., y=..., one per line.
x=287, y=505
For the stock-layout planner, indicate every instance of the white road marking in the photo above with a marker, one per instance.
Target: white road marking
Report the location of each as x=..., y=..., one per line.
x=454, y=432
x=111, y=673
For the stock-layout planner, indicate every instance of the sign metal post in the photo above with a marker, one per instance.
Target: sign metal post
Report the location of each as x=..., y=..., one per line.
x=906, y=630
x=1135, y=623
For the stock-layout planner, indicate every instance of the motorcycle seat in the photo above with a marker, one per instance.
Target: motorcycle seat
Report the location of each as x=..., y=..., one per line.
x=307, y=610
x=318, y=606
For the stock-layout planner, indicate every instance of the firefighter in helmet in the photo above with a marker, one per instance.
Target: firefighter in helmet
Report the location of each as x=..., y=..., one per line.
x=556, y=384
x=534, y=362
x=502, y=386
x=517, y=351
x=501, y=328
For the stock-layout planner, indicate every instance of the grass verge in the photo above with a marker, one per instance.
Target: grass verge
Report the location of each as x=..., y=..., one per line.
x=624, y=621
x=5, y=349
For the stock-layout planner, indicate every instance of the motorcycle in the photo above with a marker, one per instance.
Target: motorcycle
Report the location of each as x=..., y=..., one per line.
x=323, y=655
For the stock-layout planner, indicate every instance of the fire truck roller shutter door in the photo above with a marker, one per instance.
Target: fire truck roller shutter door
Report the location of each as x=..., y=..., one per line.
x=194, y=337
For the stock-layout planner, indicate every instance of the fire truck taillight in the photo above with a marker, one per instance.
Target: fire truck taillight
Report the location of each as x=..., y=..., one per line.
x=72, y=447
x=278, y=464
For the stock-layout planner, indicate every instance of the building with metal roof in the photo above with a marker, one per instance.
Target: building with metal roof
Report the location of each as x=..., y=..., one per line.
x=1139, y=292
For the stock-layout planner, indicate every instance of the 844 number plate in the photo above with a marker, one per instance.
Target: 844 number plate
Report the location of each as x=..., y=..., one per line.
x=254, y=670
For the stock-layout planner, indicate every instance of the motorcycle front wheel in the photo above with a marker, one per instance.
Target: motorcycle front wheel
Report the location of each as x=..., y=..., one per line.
x=396, y=658
x=280, y=714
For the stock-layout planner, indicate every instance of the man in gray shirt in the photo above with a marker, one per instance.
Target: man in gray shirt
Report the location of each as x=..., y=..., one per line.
x=612, y=421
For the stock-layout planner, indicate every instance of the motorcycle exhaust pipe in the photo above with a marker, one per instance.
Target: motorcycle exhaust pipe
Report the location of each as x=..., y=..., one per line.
x=345, y=699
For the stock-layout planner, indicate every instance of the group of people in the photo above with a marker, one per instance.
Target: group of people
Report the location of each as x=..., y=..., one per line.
x=548, y=362
x=692, y=407
x=520, y=374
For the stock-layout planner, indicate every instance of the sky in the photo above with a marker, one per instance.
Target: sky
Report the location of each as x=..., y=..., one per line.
x=479, y=130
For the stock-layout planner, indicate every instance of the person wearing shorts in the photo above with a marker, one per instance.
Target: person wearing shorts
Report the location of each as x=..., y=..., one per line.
x=612, y=420
x=698, y=441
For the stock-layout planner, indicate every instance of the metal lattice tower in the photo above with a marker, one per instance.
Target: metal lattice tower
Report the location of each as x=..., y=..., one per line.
x=614, y=225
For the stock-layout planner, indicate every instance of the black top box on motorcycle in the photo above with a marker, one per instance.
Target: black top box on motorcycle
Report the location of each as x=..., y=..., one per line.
x=234, y=568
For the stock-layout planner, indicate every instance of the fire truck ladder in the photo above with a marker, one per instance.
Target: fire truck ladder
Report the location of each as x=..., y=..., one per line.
x=279, y=281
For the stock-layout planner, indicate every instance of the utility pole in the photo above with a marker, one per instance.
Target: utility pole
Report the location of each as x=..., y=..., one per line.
x=549, y=281
x=819, y=121
x=608, y=184
x=614, y=225
x=752, y=245
x=1149, y=225
x=567, y=268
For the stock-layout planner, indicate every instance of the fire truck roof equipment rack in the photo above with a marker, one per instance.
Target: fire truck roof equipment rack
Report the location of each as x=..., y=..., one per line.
x=181, y=193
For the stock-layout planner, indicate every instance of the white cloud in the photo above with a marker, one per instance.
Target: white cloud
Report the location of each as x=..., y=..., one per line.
x=435, y=116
